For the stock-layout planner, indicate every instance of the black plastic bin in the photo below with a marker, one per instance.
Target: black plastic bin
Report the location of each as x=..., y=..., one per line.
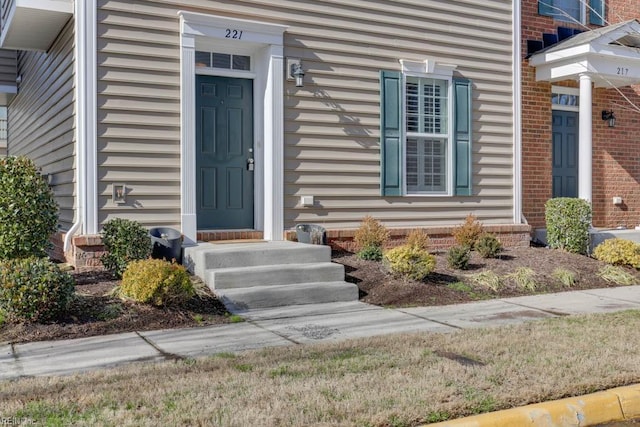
x=166, y=243
x=311, y=233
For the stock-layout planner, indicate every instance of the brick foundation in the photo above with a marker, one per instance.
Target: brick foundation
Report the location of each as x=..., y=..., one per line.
x=86, y=250
x=84, y=254
x=440, y=238
x=210, y=236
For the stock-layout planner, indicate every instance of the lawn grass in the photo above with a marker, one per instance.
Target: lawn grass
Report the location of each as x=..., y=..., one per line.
x=399, y=380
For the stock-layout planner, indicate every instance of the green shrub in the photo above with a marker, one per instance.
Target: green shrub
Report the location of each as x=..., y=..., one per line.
x=156, y=282
x=370, y=253
x=568, y=221
x=34, y=289
x=125, y=241
x=418, y=238
x=618, y=252
x=28, y=211
x=409, y=262
x=371, y=233
x=488, y=246
x=468, y=233
x=458, y=257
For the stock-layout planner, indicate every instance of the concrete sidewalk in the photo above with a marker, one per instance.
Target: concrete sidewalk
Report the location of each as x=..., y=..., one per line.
x=298, y=325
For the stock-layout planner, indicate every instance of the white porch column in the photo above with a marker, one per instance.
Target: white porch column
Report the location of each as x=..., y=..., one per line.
x=585, y=151
x=188, y=137
x=274, y=147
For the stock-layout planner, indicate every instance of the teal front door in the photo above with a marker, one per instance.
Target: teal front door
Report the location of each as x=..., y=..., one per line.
x=565, y=154
x=224, y=153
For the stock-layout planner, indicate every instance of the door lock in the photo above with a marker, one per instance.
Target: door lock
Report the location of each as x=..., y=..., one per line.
x=250, y=164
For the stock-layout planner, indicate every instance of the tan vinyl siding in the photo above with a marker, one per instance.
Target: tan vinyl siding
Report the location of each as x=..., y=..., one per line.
x=138, y=114
x=41, y=117
x=332, y=148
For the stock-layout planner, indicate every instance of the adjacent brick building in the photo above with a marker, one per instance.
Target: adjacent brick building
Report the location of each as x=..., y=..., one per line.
x=615, y=154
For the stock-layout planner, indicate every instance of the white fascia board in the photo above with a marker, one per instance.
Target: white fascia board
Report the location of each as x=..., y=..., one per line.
x=62, y=6
x=559, y=55
x=630, y=28
x=614, y=50
x=623, y=70
x=557, y=72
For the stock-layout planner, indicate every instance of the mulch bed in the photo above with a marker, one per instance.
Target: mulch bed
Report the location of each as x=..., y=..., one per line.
x=96, y=312
x=378, y=287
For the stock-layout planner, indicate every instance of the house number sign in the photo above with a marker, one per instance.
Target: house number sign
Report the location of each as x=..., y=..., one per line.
x=231, y=33
x=622, y=71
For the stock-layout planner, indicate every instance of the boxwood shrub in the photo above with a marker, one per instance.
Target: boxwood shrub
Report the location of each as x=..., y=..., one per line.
x=34, y=289
x=124, y=241
x=409, y=262
x=568, y=220
x=618, y=252
x=28, y=211
x=156, y=282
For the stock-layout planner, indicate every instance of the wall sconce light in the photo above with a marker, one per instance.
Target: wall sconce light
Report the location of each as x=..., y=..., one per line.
x=608, y=115
x=296, y=72
x=119, y=195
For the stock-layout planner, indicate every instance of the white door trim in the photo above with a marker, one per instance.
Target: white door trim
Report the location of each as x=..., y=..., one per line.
x=265, y=42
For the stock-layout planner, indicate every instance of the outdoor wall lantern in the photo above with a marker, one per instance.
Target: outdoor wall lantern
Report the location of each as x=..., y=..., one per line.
x=608, y=115
x=297, y=73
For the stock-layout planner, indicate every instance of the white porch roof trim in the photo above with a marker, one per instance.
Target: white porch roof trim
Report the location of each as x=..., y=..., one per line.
x=610, y=55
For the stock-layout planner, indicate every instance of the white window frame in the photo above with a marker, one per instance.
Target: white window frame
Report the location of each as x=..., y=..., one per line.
x=428, y=69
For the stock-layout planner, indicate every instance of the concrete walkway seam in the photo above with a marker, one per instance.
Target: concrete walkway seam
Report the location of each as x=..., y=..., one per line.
x=618, y=404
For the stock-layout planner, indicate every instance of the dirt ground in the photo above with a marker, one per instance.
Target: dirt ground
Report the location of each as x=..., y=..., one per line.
x=95, y=312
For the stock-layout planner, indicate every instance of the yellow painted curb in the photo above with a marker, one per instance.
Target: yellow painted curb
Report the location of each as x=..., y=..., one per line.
x=617, y=404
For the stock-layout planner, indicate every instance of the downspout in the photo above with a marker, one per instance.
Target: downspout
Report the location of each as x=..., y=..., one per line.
x=85, y=118
x=79, y=28
x=518, y=216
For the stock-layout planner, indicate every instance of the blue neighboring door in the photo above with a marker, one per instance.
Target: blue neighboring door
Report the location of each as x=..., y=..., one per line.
x=224, y=149
x=565, y=154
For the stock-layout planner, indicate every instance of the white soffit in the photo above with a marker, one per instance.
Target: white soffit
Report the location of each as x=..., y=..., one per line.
x=34, y=24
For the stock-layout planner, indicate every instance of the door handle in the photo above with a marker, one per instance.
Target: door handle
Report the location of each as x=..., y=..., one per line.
x=250, y=164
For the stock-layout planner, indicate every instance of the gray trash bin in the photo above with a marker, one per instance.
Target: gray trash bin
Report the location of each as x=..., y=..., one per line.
x=311, y=233
x=166, y=243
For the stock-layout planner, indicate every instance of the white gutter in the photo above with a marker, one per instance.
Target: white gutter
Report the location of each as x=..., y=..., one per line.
x=517, y=115
x=85, y=77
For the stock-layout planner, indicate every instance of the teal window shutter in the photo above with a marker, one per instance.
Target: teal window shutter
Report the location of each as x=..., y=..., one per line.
x=596, y=12
x=390, y=132
x=545, y=7
x=462, y=137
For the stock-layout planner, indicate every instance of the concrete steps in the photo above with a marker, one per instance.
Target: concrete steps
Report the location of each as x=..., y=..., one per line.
x=269, y=274
x=240, y=299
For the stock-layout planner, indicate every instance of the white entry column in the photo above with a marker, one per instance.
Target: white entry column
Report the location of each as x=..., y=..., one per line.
x=585, y=144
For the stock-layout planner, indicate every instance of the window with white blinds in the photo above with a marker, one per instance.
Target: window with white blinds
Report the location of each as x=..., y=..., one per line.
x=427, y=135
